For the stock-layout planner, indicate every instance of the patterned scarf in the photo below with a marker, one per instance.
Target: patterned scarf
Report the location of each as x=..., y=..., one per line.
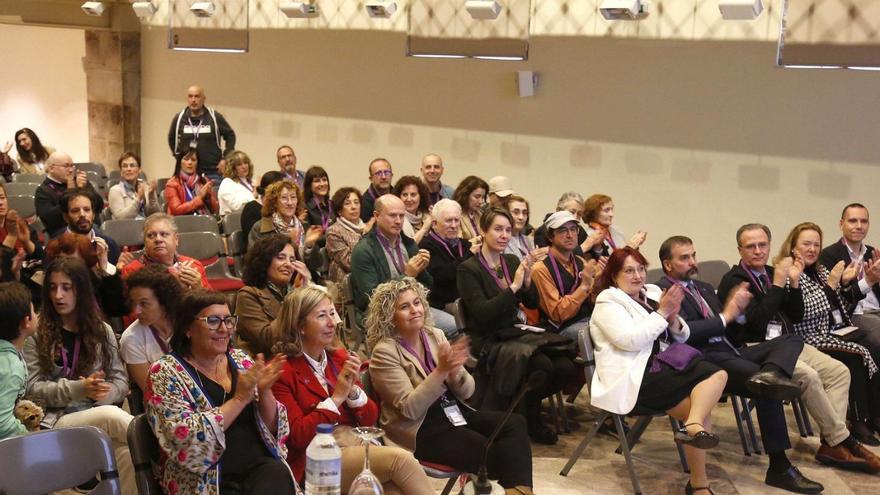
x=415, y=220
x=284, y=227
x=357, y=228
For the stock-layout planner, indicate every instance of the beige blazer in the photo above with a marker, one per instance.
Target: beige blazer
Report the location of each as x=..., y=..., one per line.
x=406, y=391
x=257, y=312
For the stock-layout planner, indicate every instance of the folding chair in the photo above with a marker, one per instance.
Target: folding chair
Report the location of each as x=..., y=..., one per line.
x=21, y=188
x=712, y=271
x=96, y=168
x=29, y=178
x=207, y=247
x=125, y=231
x=197, y=223
x=232, y=222
x=58, y=459
x=23, y=204
x=350, y=317
x=144, y=450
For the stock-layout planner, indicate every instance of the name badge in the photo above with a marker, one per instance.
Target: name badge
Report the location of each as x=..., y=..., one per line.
x=453, y=413
x=664, y=345
x=774, y=329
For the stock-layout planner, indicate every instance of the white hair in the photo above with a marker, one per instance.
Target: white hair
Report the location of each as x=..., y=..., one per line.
x=444, y=207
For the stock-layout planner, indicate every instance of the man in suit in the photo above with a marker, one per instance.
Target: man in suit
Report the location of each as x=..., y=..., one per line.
x=762, y=371
x=776, y=303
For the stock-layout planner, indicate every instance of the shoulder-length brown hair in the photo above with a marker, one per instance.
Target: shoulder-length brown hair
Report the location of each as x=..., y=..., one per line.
x=614, y=266
x=273, y=192
x=296, y=307
x=785, y=250
x=89, y=321
x=593, y=205
x=463, y=192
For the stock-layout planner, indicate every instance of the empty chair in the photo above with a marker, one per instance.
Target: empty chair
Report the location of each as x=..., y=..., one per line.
x=235, y=244
x=96, y=168
x=126, y=232
x=24, y=205
x=144, y=449
x=21, y=188
x=351, y=328
x=197, y=223
x=29, y=178
x=207, y=247
x=58, y=459
x=711, y=271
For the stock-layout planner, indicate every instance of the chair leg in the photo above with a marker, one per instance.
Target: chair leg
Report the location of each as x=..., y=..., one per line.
x=807, y=425
x=583, y=445
x=449, y=486
x=554, y=413
x=734, y=401
x=624, y=446
x=798, y=418
x=563, y=415
x=756, y=447
x=677, y=425
x=636, y=432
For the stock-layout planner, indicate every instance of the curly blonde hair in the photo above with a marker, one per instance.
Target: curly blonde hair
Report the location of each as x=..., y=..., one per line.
x=379, y=322
x=270, y=198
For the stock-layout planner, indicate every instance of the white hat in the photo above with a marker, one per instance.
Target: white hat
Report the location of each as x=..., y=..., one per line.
x=559, y=218
x=500, y=186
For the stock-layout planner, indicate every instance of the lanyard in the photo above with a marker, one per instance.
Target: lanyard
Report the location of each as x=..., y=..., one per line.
x=247, y=185
x=523, y=245
x=68, y=368
x=372, y=192
x=558, y=276
x=325, y=218
x=752, y=277
x=446, y=246
x=159, y=340
x=428, y=363
x=476, y=230
x=695, y=295
x=495, y=275
x=398, y=260
x=196, y=129
x=189, y=194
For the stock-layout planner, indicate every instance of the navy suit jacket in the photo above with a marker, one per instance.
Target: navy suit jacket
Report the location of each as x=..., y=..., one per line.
x=702, y=328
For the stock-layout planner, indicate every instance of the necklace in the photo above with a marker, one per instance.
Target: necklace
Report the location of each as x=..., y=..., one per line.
x=215, y=376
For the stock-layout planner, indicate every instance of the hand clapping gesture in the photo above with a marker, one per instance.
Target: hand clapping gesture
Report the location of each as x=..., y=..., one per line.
x=417, y=263
x=345, y=382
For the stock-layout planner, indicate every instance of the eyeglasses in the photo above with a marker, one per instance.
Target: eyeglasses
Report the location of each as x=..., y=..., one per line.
x=567, y=230
x=756, y=246
x=214, y=322
x=383, y=173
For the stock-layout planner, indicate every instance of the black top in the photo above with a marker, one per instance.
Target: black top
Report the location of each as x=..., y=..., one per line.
x=442, y=268
x=315, y=211
x=250, y=214
x=47, y=201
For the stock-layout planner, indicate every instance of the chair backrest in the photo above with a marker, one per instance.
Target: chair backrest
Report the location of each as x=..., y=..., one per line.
x=232, y=222
x=585, y=344
x=234, y=243
x=712, y=271
x=144, y=450
x=653, y=275
x=21, y=188
x=197, y=223
x=58, y=459
x=456, y=308
x=30, y=178
x=96, y=168
x=200, y=245
x=23, y=204
x=117, y=176
x=160, y=185
x=125, y=231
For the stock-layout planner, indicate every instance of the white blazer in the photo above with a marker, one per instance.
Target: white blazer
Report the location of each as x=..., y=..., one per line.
x=623, y=334
x=233, y=196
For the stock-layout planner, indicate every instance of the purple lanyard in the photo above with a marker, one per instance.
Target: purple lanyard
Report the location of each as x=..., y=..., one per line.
x=162, y=344
x=473, y=225
x=396, y=255
x=695, y=295
x=428, y=363
x=446, y=246
x=68, y=368
x=558, y=276
x=247, y=185
x=523, y=245
x=325, y=218
x=752, y=277
x=372, y=192
x=494, y=273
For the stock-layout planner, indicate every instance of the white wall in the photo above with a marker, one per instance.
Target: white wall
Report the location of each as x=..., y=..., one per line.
x=44, y=87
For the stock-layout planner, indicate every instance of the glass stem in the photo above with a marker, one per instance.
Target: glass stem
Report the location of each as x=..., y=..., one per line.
x=367, y=456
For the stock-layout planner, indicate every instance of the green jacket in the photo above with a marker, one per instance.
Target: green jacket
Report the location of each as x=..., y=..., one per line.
x=13, y=380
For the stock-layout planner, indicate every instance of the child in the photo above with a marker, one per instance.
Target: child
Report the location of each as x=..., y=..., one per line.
x=17, y=323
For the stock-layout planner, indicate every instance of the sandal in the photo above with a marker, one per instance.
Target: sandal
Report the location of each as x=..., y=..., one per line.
x=701, y=440
x=691, y=490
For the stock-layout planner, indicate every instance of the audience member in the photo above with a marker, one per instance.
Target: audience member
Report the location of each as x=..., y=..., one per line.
x=73, y=362
x=7, y=164
x=319, y=384
x=500, y=187
x=61, y=175
x=520, y=243
x=380, y=183
x=160, y=248
x=826, y=298
x=447, y=251
x=598, y=215
x=199, y=128
x=189, y=192
x=132, y=197
x=432, y=171
x=316, y=191
x=154, y=294
x=287, y=163
x=642, y=364
x=78, y=209
x=272, y=269
x=774, y=308
x=228, y=420
x=32, y=154
x=282, y=208
x=417, y=221
x=17, y=322
x=573, y=203
x=15, y=233
x=423, y=384
x=383, y=254
x=251, y=212
x=344, y=234
x=237, y=188
x=564, y=281
x=494, y=287
x=471, y=195
x=762, y=371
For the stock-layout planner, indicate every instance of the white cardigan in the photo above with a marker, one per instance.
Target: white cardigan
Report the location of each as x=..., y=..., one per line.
x=233, y=196
x=623, y=334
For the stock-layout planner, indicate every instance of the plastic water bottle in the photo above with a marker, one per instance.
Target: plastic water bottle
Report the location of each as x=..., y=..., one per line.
x=323, y=463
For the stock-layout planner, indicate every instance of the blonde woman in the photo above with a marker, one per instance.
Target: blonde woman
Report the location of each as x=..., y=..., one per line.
x=237, y=188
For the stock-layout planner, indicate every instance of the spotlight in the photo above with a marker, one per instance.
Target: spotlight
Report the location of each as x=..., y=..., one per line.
x=202, y=9
x=298, y=9
x=483, y=9
x=144, y=9
x=380, y=8
x=624, y=10
x=740, y=10
x=93, y=8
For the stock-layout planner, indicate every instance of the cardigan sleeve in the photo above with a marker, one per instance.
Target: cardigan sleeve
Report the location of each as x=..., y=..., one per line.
x=394, y=386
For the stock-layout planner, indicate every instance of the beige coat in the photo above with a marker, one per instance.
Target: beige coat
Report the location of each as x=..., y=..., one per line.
x=257, y=311
x=406, y=391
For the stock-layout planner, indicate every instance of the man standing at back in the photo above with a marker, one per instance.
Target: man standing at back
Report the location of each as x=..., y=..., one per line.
x=432, y=171
x=200, y=128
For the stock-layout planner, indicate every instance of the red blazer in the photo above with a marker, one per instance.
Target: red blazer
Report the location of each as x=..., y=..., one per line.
x=175, y=197
x=300, y=392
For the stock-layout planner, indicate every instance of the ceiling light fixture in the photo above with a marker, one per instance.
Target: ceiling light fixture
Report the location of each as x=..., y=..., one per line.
x=203, y=9
x=94, y=9
x=144, y=9
x=740, y=10
x=483, y=9
x=298, y=10
x=380, y=8
x=624, y=10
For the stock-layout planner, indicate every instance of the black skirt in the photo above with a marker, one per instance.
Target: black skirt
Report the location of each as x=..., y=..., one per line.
x=663, y=390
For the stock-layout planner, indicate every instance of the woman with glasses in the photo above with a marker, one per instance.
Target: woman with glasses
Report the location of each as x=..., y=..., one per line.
x=282, y=208
x=642, y=364
x=212, y=408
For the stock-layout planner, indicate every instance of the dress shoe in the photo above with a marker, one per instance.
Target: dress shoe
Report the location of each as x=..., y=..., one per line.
x=872, y=461
x=863, y=433
x=793, y=481
x=874, y=424
x=542, y=434
x=772, y=385
x=840, y=456
x=700, y=440
x=692, y=490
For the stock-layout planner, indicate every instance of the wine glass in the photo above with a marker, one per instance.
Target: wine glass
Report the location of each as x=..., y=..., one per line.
x=366, y=482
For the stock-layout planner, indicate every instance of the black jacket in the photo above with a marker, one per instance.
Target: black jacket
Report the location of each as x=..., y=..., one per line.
x=782, y=304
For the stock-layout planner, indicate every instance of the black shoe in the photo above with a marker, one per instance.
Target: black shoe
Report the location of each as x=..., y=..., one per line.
x=691, y=490
x=607, y=428
x=792, y=480
x=772, y=385
x=701, y=440
x=540, y=433
x=874, y=424
x=863, y=433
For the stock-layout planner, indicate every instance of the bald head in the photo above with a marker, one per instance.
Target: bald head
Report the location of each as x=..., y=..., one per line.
x=389, y=212
x=432, y=169
x=195, y=100
x=59, y=166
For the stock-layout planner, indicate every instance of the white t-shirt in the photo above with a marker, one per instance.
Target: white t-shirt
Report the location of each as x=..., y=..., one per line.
x=138, y=346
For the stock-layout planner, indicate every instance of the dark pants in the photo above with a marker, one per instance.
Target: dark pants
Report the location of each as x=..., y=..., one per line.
x=269, y=476
x=461, y=447
x=782, y=352
x=869, y=336
x=559, y=370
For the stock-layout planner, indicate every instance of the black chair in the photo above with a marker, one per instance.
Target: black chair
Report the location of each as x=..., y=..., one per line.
x=144, y=450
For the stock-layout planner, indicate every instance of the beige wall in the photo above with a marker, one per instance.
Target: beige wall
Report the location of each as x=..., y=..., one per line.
x=688, y=137
x=44, y=87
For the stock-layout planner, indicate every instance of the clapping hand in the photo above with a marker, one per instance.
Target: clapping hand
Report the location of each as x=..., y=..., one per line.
x=417, y=263
x=347, y=378
x=188, y=276
x=452, y=356
x=670, y=302
x=313, y=233
x=836, y=274
x=872, y=268
x=637, y=239
x=595, y=238
x=7, y=147
x=851, y=272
